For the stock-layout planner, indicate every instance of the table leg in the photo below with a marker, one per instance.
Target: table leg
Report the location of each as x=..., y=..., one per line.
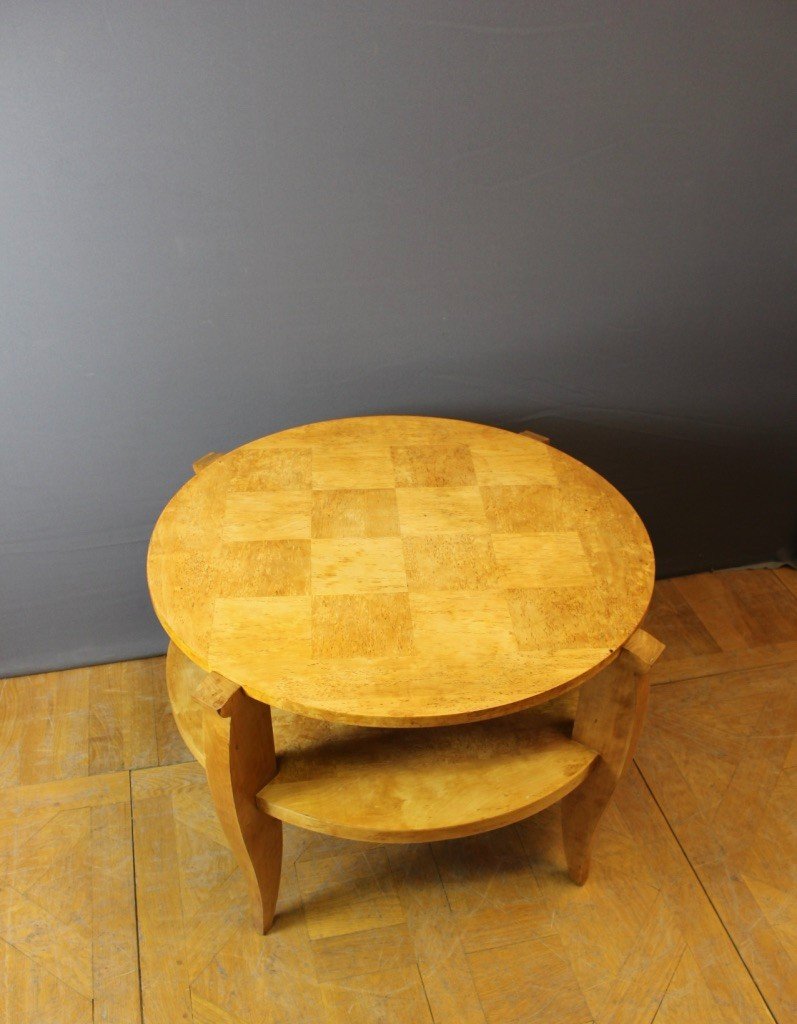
x=239, y=761
x=609, y=717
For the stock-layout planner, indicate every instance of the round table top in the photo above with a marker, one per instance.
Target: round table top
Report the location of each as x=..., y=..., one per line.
x=400, y=570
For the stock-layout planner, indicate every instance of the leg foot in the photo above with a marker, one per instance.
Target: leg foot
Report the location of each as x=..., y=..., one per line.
x=239, y=761
x=611, y=709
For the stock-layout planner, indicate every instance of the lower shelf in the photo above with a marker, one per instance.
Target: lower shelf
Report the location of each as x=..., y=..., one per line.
x=406, y=785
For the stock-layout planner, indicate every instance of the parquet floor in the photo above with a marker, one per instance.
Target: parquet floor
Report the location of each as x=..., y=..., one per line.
x=120, y=903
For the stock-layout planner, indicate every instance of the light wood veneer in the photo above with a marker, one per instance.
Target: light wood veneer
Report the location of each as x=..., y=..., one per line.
x=404, y=785
x=400, y=570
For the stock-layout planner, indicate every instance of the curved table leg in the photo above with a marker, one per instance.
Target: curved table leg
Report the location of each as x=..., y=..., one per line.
x=239, y=761
x=611, y=709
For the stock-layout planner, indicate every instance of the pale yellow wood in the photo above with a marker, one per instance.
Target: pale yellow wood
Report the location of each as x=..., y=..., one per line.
x=542, y=986
x=363, y=951
x=183, y=678
x=199, y=952
x=761, y=656
x=215, y=693
x=492, y=926
x=60, y=948
x=122, y=731
x=30, y=994
x=239, y=759
x=717, y=753
x=395, y=995
x=93, y=720
x=535, y=437
x=641, y=983
x=205, y=1012
x=37, y=761
x=362, y=897
x=170, y=744
x=401, y=785
x=437, y=932
x=643, y=650
x=205, y=461
x=498, y=857
x=18, y=801
x=161, y=923
x=400, y=570
x=609, y=717
x=717, y=757
x=733, y=989
x=28, y=850
x=52, y=730
x=12, y=703
x=113, y=915
x=67, y=902
x=688, y=997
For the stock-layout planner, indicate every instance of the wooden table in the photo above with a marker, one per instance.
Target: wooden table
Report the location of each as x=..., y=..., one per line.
x=373, y=621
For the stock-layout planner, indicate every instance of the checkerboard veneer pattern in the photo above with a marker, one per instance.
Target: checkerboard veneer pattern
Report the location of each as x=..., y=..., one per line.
x=354, y=568
x=406, y=552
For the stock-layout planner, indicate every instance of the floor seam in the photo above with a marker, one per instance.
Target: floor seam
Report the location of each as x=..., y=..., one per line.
x=705, y=892
x=669, y=983
x=725, y=671
x=425, y=993
x=135, y=897
x=780, y=581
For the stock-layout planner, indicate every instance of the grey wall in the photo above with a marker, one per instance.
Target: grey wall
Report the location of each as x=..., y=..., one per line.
x=224, y=218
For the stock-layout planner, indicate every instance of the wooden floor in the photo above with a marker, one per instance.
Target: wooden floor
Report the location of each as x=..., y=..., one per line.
x=120, y=902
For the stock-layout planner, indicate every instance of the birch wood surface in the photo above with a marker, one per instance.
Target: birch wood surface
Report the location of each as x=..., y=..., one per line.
x=403, y=785
x=400, y=570
x=689, y=916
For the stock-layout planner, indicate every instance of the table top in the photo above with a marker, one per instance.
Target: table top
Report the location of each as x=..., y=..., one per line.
x=400, y=570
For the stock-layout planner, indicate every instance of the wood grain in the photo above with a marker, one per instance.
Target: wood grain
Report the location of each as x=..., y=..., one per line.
x=401, y=785
x=387, y=571
x=238, y=744
x=716, y=752
x=609, y=717
x=724, y=621
x=400, y=788
x=205, y=461
x=717, y=757
x=67, y=914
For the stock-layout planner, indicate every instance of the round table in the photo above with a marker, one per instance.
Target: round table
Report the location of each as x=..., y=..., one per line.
x=378, y=626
